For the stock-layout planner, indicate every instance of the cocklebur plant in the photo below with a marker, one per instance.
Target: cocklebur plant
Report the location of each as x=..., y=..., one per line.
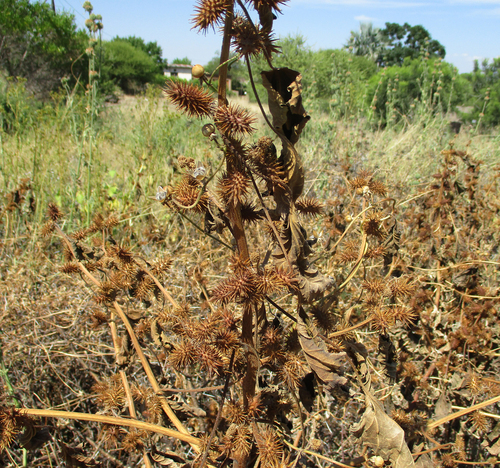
x=275, y=332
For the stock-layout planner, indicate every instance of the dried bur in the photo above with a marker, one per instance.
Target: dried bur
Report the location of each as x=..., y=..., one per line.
x=271, y=355
x=263, y=184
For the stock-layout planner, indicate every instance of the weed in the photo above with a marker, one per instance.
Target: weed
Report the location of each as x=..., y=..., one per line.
x=252, y=313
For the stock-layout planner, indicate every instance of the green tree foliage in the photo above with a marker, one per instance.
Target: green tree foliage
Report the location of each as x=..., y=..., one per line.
x=127, y=66
x=418, y=87
x=182, y=61
x=337, y=80
x=367, y=41
x=38, y=44
x=153, y=49
x=407, y=41
x=485, y=91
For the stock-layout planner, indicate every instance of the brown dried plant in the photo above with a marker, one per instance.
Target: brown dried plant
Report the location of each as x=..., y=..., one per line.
x=235, y=365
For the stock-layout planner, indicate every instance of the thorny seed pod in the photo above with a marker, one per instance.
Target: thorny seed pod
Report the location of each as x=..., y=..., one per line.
x=209, y=13
x=249, y=40
x=273, y=4
x=54, y=212
x=189, y=98
x=233, y=120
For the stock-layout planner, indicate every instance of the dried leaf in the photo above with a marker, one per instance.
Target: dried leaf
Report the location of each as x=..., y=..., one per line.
x=156, y=331
x=170, y=459
x=134, y=315
x=75, y=459
x=493, y=442
x=388, y=350
x=391, y=245
x=424, y=462
x=126, y=351
x=284, y=90
x=327, y=366
x=34, y=437
x=376, y=429
x=182, y=409
x=312, y=284
x=443, y=407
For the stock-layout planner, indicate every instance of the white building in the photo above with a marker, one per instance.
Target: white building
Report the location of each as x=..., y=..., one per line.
x=179, y=70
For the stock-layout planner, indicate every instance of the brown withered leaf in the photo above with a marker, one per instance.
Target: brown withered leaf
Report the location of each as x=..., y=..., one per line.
x=134, y=314
x=327, y=366
x=443, y=407
x=376, y=429
x=34, y=437
x=167, y=458
x=158, y=334
x=492, y=441
x=284, y=90
x=74, y=458
x=424, y=462
x=126, y=351
x=312, y=283
x=391, y=245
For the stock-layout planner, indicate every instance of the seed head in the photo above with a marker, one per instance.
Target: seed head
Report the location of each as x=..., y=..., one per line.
x=382, y=319
x=274, y=4
x=309, y=206
x=233, y=189
x=233, y=120
x=209, y=13
x=250, y=40
x=189, y=98
x=54, y=212
x=372, y=225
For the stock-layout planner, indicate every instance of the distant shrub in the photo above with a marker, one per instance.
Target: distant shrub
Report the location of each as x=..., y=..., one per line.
x=39, y=45
x=419, y=86
x=127, y=66
x=485, y=92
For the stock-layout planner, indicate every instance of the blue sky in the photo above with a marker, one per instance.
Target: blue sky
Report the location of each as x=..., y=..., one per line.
x=469, y=29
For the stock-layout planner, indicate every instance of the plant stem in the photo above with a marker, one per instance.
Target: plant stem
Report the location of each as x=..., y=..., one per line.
x=224, y=56
x=151, y=377
x=237, y=228
x=99, y=418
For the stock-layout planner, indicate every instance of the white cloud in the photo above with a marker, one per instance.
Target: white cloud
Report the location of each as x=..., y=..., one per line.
x=365, y=19
x=477, y=2
x=367, y=3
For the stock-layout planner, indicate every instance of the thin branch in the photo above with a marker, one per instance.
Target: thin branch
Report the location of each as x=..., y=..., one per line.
x=219, y=413
x=463, y=412
x=99, y=418
x=151, y=377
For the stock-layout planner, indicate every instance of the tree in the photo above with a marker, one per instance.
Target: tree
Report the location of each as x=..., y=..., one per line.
x=38, y=44
x=367, y=41
x=485, y=95
x=407, y=41
x=126, y=66
x=182, y=61
x=153, y=49
x=417, y=86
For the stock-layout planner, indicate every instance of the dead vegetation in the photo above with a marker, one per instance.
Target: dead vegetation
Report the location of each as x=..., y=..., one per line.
x=253, y=342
